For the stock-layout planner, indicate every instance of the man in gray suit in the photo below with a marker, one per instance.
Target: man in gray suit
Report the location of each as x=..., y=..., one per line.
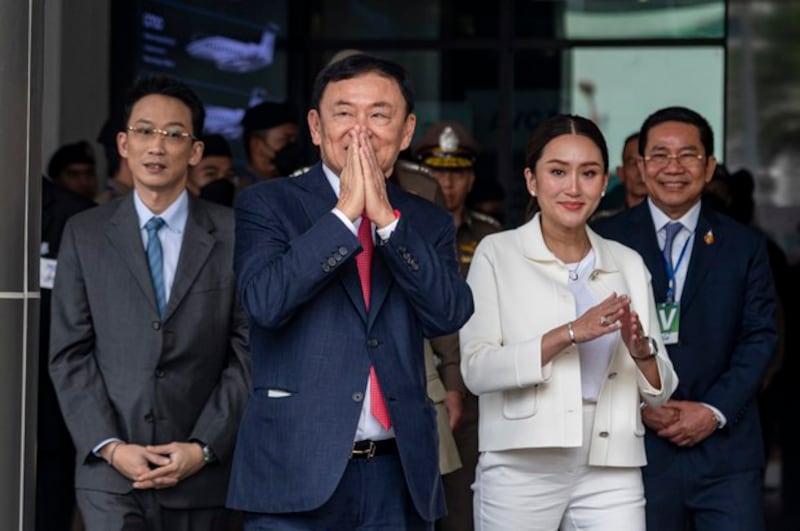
x=148, y=350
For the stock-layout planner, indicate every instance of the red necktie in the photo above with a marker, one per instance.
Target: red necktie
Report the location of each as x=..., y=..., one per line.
x=364, y=262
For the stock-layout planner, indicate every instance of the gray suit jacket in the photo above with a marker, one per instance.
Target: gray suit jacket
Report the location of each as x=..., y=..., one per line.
x=120, y=371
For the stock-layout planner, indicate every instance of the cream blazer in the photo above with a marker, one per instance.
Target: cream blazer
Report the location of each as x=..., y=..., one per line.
x=520, y=292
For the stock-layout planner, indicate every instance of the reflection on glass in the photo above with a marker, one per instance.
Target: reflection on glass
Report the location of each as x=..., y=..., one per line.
x=636, y=19
x=619, y=87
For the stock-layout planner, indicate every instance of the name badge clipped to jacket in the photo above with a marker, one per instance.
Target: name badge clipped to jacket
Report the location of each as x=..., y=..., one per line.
x=669, y=318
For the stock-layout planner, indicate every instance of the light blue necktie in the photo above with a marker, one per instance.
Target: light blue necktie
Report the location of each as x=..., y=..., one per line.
x=155, y=259
x=672, y=229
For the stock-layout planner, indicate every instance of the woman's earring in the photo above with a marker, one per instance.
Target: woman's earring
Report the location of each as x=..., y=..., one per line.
x=603, y=193
x=533, y=194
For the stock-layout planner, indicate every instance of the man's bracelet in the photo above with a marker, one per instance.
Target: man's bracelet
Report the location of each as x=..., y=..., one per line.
x=113, y=451
x=571, y=332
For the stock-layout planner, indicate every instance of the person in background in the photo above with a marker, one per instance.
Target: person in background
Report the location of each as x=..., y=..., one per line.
x=716, y=302
x=269, y=137
x=119, y=179
x=563, y=347
x=342, y=276
x=630, y=174
x=55, y=453
x=212, y=178
x=72, y=166
x=631, y=184
x=149, y=344
x=449, y=151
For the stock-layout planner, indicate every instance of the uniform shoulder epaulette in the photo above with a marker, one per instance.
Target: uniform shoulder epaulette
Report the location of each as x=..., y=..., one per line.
x=480, y=216
x=300, y=171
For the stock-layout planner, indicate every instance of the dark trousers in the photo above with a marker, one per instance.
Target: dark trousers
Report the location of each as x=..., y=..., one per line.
x=140, y=511
x=678, y=499
x=372, y=495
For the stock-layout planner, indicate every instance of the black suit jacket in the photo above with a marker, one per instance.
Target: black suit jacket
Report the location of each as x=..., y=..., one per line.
x=727, y=332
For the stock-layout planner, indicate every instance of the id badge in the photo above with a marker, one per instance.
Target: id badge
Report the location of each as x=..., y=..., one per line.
x=47, y=272
x=669, y=318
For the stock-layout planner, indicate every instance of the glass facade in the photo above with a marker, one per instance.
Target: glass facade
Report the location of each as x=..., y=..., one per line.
x=502, y=67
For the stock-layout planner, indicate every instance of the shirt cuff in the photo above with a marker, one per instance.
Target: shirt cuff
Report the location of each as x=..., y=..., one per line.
x=96, y=449
x=386, y=232
x=347, y=223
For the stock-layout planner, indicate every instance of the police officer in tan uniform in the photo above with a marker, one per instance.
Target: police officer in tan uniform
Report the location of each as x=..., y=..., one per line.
x=449, y=151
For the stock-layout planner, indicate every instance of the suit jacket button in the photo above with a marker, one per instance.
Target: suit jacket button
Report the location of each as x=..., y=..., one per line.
x=156, y=325
x=331, y=261
x=358, y=397
x=326, y=267
x=160, y=373
x=373, y=343
x=342, y=251
x=603, y=434
x=149, y=417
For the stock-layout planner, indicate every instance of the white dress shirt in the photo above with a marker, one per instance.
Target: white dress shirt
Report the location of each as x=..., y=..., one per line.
x=684, y=237
x=368, y=426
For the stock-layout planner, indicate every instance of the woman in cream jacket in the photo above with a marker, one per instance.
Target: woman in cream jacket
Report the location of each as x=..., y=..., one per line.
x=562, y=350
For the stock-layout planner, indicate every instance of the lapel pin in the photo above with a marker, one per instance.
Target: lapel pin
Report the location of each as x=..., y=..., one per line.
x=709, y=237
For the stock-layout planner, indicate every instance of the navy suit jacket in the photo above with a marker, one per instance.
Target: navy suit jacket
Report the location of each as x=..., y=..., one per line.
x=313, y=338
x=727, y=333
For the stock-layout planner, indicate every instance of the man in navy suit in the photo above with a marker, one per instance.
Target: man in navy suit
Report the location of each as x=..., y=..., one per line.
x=716, y=302
x=338, y=432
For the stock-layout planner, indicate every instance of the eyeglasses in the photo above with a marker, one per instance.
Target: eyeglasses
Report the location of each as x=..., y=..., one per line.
x=662, y=160
x=173, y=135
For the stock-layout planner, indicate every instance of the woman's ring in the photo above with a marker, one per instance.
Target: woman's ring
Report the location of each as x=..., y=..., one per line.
x=603, y=320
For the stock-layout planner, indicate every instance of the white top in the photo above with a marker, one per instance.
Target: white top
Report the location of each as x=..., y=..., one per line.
x=520, y=292
x=595, y=355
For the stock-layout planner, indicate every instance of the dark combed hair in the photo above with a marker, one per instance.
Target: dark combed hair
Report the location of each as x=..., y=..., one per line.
x=555, y=126
x=167, y=86
x=356, y=65
x=563, y=124
x=678, y=114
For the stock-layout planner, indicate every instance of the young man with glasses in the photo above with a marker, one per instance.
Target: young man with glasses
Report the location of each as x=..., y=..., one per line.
x=715, y=299
x=148, y=348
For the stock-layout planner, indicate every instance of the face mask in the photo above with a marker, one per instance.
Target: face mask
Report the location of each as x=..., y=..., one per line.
x=220, y=191
x=288, y=159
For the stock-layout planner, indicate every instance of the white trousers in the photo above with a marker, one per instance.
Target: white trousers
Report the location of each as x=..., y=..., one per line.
x=549, y=489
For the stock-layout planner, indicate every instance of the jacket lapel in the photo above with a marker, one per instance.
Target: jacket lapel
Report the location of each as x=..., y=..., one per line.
x=198, y=241
x=318, y=199
x=703, y=252
x=124, y=236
